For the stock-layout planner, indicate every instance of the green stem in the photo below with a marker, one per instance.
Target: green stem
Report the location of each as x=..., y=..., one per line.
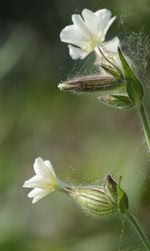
x=145, y=123
x=139, y=230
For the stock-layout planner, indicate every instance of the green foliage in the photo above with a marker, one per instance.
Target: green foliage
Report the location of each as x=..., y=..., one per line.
x=122, y=199
x=133, y=85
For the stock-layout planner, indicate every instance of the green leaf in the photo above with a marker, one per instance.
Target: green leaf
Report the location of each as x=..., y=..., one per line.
x=117, y=101
x=134, y=87
x=122, y=200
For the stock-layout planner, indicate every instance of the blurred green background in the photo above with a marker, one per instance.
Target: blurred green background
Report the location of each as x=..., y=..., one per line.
x=84, y=139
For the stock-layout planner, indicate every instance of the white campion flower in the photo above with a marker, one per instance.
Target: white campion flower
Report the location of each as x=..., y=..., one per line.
x=96, y=200
x=88, y=32
x=44, y=182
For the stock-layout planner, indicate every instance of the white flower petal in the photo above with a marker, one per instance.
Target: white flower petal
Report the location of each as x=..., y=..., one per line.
x=77, y=53
x=104, y=21
x=90, y=20
x=78, y=21
x=112, y=45
x=37, y=194
x=50, y=167
x=103, y=12
x=37, y=181
x=41, y=169
x=110, y=49
x=28, y=183
x=107, y=27
x=72, y=35
x=44, y=182
x=87, y=32
x=103, y=17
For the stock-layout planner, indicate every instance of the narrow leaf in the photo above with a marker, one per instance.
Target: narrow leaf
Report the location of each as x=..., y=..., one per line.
x=122, y=200
x=134, y=87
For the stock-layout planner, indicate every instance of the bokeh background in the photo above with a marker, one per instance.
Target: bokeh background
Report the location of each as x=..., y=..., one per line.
x=84, y=139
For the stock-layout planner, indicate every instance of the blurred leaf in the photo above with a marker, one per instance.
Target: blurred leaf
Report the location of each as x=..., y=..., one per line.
x=13, y=50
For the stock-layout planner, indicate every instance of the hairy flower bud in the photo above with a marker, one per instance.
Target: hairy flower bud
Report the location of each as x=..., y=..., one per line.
x=99, y=200
x=117, y=101
x=89, y=84
x=94, y=200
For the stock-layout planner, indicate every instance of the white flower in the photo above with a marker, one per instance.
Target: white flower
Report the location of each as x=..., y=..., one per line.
x=44, y=182
x=88, y=32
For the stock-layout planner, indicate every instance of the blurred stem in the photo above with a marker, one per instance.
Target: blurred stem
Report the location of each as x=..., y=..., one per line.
x=145, y=123
x=139, y=230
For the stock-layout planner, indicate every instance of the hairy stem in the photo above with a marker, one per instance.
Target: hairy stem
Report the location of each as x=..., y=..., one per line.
x=145, y=123
x=139, y=230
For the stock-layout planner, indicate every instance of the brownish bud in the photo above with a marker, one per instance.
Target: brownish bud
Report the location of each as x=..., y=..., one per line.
x=89, y=84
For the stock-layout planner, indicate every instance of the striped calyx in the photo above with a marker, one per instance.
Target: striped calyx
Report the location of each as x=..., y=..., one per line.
x=90, y=84
x=94, y=200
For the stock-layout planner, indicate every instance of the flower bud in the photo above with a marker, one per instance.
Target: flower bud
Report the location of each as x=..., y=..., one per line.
x=89, y=84
x=94, y=200
x=99, y=200
x=114, y=71
x=117, y=101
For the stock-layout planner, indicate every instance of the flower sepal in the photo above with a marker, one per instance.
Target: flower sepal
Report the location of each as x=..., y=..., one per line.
x=118, y=194
x=117, y=101
x=114, y=71
x=112, y=186
x=95, y=200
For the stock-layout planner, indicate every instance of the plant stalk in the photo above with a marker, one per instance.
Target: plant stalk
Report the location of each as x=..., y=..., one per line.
x=145, y=123
x=139, y=230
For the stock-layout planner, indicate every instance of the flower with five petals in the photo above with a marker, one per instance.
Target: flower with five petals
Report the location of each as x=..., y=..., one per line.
x=44, y=182
x=88, y=32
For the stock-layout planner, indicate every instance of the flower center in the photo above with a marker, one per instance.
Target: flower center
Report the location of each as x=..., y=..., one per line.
x=93, y=42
